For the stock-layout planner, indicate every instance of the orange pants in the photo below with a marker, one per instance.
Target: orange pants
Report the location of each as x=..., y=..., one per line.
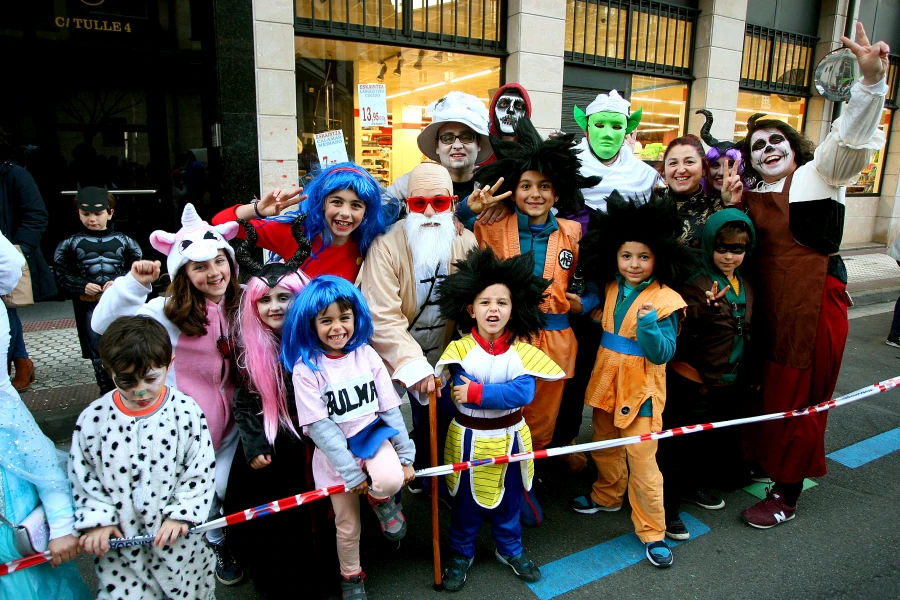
x=541, y=414
x=644, y=483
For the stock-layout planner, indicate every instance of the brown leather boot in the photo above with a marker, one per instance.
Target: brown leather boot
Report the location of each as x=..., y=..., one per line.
x=24, y=374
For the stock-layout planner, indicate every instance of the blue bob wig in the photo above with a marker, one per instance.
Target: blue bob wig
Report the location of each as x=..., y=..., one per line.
x=299, y=339
x=344, y=176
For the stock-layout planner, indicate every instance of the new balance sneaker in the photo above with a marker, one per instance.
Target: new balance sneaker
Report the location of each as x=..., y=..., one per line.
x=228, y=572
x=522, y=566
x=676, y=530
x=770, y=512
x=390, y=515
x=893, y=340
x=354, y=588
x=586, y=506
x=659, y=554
x=704, y=500
x=455, y=571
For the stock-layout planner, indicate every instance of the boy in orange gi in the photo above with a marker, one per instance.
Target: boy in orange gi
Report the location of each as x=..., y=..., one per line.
x=636, y=257
x=539, y=175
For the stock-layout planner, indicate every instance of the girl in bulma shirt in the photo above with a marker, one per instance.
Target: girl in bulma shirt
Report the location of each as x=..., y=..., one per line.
x=348, y=406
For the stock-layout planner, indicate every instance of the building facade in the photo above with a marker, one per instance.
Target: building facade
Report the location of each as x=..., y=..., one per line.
x=174, y=101
x=733, y=57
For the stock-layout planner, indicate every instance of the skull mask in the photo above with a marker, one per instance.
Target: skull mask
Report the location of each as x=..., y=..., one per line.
x=771, y=154
x=509, y=109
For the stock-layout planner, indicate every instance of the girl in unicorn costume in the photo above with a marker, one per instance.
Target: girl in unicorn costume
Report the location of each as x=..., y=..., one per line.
x=606, y=122
x=200, y=300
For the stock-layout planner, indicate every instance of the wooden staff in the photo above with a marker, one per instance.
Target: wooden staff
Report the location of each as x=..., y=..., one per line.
x=435, y=522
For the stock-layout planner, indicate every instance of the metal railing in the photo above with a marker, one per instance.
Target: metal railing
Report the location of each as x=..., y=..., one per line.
x=464, y=25
x=777, y=61
x=642, y=36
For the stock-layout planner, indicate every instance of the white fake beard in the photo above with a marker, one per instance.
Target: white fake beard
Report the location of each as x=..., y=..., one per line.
x=429, y=246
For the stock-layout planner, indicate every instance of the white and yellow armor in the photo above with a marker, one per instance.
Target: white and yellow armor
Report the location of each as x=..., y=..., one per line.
x=521, y=359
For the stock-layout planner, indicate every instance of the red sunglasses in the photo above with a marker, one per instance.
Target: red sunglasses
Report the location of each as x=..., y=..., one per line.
x=418, y=204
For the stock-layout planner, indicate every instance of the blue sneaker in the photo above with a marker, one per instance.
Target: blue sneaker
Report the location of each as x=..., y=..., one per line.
x=659, y=554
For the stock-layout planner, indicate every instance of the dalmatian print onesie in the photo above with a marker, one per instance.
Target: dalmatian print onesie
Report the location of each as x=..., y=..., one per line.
x=136, y=470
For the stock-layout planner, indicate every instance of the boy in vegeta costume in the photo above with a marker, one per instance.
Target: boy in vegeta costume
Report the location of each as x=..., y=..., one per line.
x=492, y=371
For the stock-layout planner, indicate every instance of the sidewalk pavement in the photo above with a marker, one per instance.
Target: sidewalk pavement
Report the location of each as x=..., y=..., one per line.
x=65, y=383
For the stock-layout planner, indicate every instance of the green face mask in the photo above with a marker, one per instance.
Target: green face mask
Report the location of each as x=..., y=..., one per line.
x=606, y=131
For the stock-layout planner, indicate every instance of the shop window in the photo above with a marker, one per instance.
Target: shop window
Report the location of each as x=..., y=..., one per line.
x=328, y=71
x=869, y=182
x=652, y=37
x=790, y=109
x=664, y=102
x=469, y=23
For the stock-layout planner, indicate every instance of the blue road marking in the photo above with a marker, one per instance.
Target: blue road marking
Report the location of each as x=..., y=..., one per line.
x=581, y=568
x=868, y=450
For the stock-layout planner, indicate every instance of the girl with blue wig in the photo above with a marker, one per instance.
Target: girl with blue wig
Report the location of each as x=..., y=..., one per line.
x=347, y=404
x=329, y=232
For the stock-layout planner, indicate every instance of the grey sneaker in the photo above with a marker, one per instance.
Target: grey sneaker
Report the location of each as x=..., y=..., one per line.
x=522, y=566
x=390, y=515
x=354, y=588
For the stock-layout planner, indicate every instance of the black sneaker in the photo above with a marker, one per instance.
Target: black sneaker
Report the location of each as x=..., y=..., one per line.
x=228, y=572
x=704, y=500
x=455, y=572
x=676, y=530
x=354, y=588
x=522, y=566
x=659, y=554
x=893, y=340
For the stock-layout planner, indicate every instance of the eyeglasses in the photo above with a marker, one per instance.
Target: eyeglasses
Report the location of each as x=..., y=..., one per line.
x=466, y=137
x=418, y=204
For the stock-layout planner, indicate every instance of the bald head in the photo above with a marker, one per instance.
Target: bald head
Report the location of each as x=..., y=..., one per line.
x=430, y=179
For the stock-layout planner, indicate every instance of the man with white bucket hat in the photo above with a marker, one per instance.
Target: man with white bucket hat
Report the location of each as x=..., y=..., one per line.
x=457, y=138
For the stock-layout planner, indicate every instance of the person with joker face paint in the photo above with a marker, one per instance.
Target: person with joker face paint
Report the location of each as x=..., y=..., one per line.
x=796, y=203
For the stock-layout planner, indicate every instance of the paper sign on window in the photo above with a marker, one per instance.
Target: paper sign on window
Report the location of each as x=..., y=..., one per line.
x=372, y=104
x=331, y=148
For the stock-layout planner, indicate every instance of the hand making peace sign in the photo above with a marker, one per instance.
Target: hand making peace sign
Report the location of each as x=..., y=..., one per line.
x=872, y=58
x=732, y=186
x=484, y=197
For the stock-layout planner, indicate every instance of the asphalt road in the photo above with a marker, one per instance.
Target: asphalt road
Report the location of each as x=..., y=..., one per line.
x=844, y=542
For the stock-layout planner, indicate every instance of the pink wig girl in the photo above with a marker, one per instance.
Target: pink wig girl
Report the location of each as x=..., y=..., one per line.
x=261, y=345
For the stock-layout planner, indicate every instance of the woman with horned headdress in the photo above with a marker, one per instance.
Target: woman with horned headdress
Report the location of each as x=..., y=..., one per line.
x=721, y=159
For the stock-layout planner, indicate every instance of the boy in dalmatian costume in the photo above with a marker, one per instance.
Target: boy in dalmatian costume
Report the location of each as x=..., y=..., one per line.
x=142, y=462
x=796, y=203
x=201, y=367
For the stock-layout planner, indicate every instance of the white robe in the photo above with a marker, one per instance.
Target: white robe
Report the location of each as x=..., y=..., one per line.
x=136, y=472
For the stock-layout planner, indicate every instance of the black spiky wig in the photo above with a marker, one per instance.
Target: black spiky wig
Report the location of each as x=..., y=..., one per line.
x=652, y=221
x=556, y=158
x=481, y=269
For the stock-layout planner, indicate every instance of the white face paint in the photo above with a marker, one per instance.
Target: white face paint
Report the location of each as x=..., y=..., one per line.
x=771, y=155
x=510, y=108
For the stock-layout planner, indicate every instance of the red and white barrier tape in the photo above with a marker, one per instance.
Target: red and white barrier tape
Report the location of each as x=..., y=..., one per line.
x=312, y=496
